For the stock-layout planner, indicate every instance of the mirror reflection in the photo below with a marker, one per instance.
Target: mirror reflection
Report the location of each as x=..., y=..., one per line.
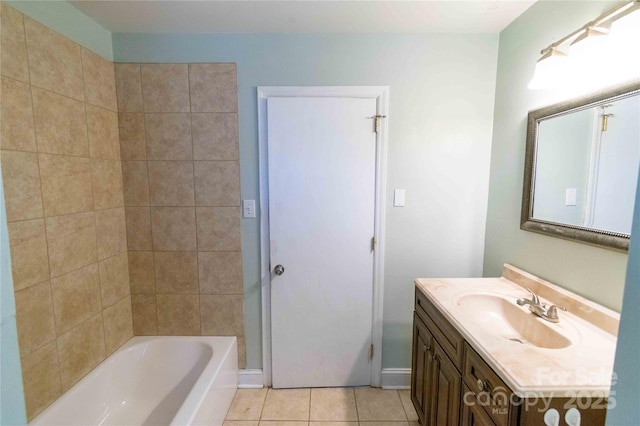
x=586, y=166
x=581, y=167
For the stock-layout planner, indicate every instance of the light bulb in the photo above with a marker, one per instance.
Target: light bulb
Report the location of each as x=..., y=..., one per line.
x=550, y=72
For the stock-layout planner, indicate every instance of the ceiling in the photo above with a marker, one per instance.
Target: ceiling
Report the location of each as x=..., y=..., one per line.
x=303, y=16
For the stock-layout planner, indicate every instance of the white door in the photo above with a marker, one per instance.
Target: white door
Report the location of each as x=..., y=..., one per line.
x=321, y=155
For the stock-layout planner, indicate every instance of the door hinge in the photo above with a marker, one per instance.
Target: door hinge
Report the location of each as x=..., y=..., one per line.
x=373, y=243
x=376, y=122
x=371, y=351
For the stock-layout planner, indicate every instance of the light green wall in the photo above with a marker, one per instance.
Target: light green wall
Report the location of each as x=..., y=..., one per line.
x=12, y=408
x=627, y=367
x=595, y=273
x=62, y=17
x=441, y=105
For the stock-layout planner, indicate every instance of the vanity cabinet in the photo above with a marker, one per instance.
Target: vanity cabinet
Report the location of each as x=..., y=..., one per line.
x=437, y=357
x=452, y=385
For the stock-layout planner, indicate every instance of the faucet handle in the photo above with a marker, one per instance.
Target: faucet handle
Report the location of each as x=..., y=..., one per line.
x=535, y=299
x=552, y=311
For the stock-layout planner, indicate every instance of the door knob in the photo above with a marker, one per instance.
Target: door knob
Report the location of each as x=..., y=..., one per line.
x=278, y=270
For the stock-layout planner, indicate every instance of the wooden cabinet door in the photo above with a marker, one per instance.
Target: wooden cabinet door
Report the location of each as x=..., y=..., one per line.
x=420, y=367
x=445, y=385
x=473, y=414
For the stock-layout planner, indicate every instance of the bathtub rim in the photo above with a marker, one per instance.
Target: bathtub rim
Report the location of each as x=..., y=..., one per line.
x=225, y=345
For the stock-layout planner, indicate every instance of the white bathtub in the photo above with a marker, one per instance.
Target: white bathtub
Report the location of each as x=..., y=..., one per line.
x=154, y=381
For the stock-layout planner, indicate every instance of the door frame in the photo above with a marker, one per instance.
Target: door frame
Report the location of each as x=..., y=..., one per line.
x=381, y=95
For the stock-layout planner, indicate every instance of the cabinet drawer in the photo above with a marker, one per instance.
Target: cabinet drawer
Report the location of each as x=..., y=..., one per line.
x=472, y=413
x=489, y=390
x=447, y=336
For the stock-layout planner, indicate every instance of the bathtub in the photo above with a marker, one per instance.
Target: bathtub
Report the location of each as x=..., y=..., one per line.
x=154, y=381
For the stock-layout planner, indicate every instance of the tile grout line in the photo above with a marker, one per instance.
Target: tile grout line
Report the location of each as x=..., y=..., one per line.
x=146, y=160
x=93, y=200
x=44, y=219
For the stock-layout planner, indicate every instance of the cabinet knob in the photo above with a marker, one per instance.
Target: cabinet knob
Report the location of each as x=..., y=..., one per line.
x=426, y=348
x=482, y=385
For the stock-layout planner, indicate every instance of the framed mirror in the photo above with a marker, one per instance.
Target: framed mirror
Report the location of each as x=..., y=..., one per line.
x=581, y=168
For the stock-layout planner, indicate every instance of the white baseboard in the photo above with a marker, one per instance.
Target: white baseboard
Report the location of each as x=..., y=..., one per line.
x=250, y=379
x=396, y=378
x=392, y=378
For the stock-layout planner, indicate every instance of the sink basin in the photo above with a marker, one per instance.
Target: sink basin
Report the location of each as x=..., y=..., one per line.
x=500, y=316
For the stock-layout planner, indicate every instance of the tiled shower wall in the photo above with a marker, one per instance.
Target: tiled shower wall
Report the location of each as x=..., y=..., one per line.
x=179, y=146
x=63, y=188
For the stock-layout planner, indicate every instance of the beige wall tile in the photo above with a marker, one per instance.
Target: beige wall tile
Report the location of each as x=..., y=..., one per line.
x=135, y=182
x=221, y=315
x=217, y=183
x=13, y=60
x=168, y=136
x=61, y=126
x=215, y=136
x=55, y=62
x=145, y=320
x=141, y=272
x=178, y=315
x=29, y=258
x=18, y=129
x=218, y=228
x=34, y=317
x=102, y=129
x=171, y=183
x=21, y=178
x=176, y=272
x=138, y=228
x=242, y=352
x=213, y=87
x=71, y=241
x=76, y=297
x=220, y=272
x=118, y=324
x=128, y=87
x=247, y=404
x=99, y=80
x=114, y=279
x=41, y=379
x=133, y=145
x=111, y=232
x=80, y=350
x=66, y=184
x=174, y=228
x=165, y=87
x=106, y=176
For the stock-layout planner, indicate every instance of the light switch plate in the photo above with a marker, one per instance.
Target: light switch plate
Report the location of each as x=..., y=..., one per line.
x=249, y=209
x=398, y=198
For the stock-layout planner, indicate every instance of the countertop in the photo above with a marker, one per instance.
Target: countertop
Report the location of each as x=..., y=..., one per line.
x=586, y=366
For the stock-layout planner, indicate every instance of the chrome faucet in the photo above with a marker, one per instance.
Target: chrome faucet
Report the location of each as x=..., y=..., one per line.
x=548, y=313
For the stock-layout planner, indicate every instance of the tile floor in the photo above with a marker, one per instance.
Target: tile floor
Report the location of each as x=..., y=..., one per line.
x=321, y=407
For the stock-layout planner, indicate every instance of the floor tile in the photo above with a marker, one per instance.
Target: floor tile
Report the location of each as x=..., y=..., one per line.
x=286, y=404
x=333, y=404
x=379, y=405
x=283, y=423
x=240, y=423
x=410, y=411
x=247, y=405
x=312, y=423
x=384, y=424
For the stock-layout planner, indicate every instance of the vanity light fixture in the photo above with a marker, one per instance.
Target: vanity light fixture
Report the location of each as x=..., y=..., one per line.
x=585, y=46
